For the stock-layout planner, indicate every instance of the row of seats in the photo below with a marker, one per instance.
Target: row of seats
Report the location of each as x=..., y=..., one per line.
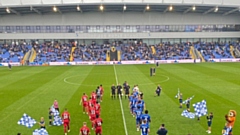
x=57, y=52
x=214, y=50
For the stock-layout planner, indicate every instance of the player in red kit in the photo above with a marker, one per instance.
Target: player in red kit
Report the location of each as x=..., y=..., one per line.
x=90, y=103
x=94, y=97
x=84, y=101
x=97, y=108
x=84, y=130
x=66, y=121
x=98, y=125
x=92, y=115
x=102, y=91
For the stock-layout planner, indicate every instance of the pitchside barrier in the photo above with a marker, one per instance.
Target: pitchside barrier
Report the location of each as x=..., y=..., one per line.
x=121, y=62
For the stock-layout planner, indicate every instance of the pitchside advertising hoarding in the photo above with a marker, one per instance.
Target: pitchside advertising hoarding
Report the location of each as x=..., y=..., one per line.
x=120, y=62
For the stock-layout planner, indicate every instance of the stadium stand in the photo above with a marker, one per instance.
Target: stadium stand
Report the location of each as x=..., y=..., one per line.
x=57, y=52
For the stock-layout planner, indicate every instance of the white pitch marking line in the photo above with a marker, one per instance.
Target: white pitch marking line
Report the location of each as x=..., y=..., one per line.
x=65, y=80
x=120, y=100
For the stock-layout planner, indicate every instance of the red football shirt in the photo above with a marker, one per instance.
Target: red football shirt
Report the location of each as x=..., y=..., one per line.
x=98, y=122
x=65, y=116
x=90, y=103
x=84, y=130
x=94, y=96
x=92, y=111
x=101, y=90
x=97, y=107
x=84, y=98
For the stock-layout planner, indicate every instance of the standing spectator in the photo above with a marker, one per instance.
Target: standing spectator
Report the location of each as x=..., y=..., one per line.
x=55, y=104
x=162, y=130
x=209, y=121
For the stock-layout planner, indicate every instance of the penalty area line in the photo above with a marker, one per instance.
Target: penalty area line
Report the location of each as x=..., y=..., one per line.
x=120, y=100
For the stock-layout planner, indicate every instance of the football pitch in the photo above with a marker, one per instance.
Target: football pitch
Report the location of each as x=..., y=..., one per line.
x=32, y=90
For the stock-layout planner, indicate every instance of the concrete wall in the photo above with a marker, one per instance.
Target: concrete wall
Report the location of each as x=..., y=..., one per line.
x=118, y=19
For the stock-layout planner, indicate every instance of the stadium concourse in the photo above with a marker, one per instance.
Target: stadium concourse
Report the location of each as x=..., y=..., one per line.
x=60, y=52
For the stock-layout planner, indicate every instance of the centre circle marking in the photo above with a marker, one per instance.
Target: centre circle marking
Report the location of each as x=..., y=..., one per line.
x=78, y=84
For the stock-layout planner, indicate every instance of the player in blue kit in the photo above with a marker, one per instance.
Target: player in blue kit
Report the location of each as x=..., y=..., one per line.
x=138, y=113
x=135, y=93
x=146, y=117
x=130, y=97
x=140, y=105
x=145, y=128
x=141, y=101
x=132, y=105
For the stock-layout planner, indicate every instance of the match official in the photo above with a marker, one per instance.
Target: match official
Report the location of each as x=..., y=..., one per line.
x=9, y=66
x=119, y=90
x=113, y=90
x=158, y=90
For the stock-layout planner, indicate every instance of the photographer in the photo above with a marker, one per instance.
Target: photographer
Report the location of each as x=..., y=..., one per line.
x=162, y=130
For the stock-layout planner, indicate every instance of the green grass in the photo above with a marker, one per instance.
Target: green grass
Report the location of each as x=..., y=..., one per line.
x=32, y=90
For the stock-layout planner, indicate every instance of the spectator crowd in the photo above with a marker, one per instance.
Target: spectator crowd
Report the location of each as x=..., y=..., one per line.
x=60, y=52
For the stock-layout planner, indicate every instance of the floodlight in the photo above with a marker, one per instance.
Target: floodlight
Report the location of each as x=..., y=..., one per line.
x=55, y=9
x=171, y=8
x=8, y=10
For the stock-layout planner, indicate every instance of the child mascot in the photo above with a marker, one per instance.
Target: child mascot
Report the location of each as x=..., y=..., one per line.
x=230, y=118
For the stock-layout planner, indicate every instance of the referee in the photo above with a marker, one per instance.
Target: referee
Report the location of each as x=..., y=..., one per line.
x=119, y=90
x=113, y=90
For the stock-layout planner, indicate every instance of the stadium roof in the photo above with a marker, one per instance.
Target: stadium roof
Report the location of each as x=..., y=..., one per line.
x=22, y=7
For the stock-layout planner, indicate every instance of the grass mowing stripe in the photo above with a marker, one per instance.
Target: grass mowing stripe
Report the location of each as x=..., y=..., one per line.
x=216, y=103
x=120, y=100
x=221, y=88
x=45, y=94
x=17, y=74
x=214, y=72
x=110, y=110
x=163, y=109
x=230, y=68
x=69, y=98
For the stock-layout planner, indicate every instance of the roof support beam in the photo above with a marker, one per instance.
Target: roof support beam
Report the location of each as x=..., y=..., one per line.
x=186, y=11
x=231, y=11
x=59, y=11
x=144, y=10
x=35, y=10
x=165, y=11
x=81, y=10
x=14, y=11
x=210, y=10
